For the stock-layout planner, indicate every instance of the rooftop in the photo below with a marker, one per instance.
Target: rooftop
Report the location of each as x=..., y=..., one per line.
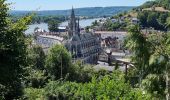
x=52, y=37
x=110, y=32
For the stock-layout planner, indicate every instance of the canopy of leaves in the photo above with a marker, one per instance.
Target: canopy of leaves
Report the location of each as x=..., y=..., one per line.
x=12, y=52
x=53, y=25
x=58, y=61
x=109, y=87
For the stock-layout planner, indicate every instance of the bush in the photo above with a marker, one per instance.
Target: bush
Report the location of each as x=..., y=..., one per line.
x=34, y=94
x=107, y=88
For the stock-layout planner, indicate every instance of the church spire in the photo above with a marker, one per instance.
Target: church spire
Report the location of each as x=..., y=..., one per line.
x=73, y=25
x=78, y=25
x=72, y=13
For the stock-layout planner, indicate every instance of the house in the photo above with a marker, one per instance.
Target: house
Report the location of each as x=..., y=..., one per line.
x=134, y=21
x=62, y=29
x=111, y=39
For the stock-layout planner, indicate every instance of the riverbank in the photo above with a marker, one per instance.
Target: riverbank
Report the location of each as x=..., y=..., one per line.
x=83, y=23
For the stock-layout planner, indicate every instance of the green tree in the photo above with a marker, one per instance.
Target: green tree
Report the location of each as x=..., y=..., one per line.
x=143, y=18
x=168, y=23
x=36, y=71
x=109, y=87
x=12, y=52
x=58, y=62
x=151, y=55
x=36, y=57
x=138, y=44
x=53, y=25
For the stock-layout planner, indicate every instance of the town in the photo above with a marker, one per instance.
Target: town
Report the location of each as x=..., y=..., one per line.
x=85, y=50
x=93, y=47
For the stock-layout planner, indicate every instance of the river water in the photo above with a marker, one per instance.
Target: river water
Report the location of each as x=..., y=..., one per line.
x=83, y=23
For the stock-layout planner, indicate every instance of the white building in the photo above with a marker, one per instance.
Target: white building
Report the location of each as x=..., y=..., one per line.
x=47, y=41
x=134, y=21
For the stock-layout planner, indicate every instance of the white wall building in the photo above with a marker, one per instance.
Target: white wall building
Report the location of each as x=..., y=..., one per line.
x=47, y=41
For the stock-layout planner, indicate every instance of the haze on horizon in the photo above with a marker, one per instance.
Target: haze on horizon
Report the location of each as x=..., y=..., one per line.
x=67, y=4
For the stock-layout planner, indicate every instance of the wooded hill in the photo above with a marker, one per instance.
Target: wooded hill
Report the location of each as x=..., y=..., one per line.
x=87, y=11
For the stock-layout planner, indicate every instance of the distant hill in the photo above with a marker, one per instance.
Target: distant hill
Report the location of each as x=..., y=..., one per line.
x=156, y=3
x=153, y=14
x=88, y=11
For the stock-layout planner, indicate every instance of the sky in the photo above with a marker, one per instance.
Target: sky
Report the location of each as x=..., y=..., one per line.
x=67, y=4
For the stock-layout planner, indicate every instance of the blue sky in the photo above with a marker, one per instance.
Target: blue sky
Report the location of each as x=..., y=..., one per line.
x=67, y=4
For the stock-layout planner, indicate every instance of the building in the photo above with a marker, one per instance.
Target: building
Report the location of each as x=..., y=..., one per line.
x=134, y=21
x=47, y=41
x=83, y=46
x=111, y=39
x=62, y=29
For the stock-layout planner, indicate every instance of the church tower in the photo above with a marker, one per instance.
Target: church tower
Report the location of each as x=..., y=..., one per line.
x=73, y=25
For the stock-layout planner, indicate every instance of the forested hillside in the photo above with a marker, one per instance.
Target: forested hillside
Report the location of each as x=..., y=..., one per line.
x=88, y=11
x=163, y=3
x=154, y=14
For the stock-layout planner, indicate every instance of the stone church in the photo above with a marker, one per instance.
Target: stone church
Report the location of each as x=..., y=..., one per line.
x=83, y=46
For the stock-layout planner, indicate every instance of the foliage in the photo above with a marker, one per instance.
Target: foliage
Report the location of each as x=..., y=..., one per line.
x=156, y=3
x=110, y=26
x=36, y=78
x=36, y=74
x=87, y=12
x=157, y=20
x=12, y=52
x=37, y=18
x=36, y=57
x=34, y=94
x=138, y=44
x=151, y=58
x=155, y=84
x=58, y=61
x=108, y=87
x=3, y=92
x=80, y=73
x=53, y=25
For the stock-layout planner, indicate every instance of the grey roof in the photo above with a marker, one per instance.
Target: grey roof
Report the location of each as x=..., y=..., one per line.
x=81, y=37
x=75, y=38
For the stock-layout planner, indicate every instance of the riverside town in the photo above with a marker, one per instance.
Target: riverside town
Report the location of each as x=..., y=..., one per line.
x=85, y=50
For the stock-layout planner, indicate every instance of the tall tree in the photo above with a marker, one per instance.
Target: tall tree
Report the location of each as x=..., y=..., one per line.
x=137, y=43
x=36, y=57
x=12, y=52
x=58, y=61
x=53, y=25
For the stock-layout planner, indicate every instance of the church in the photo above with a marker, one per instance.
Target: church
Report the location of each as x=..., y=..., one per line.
x=83, y=46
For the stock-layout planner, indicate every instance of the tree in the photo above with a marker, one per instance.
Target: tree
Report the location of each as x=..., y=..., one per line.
x=12, y=52
x=53, y=25
x=168, y=22
x=95, y=23
x=109, y=87
x=58, y=62
x=138, y=44
x=151, y=55
x=36, y=57
x=36, y=71
x=143, y=18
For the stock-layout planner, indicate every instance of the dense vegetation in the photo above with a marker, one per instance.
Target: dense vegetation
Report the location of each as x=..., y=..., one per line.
x=154, y=14
x=40, y=19
x=156, y=3
x=13, y=54
x=151, y=58
x=156, y=20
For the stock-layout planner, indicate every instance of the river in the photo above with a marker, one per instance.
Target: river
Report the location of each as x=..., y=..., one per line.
x=83, y=23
